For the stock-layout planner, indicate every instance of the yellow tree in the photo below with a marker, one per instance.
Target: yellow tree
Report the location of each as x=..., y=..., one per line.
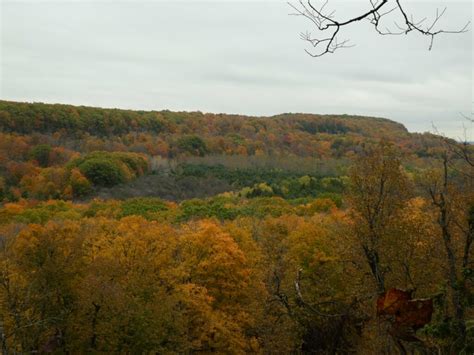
x=379, y=189
x=450, y=188
x=213, y=261
x=40, y=265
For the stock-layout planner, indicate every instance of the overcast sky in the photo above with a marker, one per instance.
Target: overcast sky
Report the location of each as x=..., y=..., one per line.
x=233, y=57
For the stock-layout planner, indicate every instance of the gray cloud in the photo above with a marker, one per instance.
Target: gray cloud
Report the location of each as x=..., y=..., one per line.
x=234, y=57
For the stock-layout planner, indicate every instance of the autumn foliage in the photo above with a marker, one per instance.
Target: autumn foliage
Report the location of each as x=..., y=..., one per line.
x=405, y=314
x=165, y=232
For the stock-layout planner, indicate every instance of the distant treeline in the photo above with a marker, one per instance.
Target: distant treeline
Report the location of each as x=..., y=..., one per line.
x=64, y=151
x=48, y=118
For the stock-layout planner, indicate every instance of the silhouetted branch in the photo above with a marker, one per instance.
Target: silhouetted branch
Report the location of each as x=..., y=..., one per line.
x=324, y=20
x=463, y=149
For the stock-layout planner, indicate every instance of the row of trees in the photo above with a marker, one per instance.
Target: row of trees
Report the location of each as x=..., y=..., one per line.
x=194, y=133
x=27, y=118
x=224, y=207
x=73, y=179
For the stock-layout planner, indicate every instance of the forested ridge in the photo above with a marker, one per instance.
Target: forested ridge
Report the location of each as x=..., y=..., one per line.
x=48, y=118
x=58, y=151
x=183, y=232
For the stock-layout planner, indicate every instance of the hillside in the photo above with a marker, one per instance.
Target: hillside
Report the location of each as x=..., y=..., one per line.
x=52, y=151
x=170, y=134
x=184, y=232
x=47, y=118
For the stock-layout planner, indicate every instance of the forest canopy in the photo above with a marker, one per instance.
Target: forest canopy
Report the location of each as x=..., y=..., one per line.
x=183, y=232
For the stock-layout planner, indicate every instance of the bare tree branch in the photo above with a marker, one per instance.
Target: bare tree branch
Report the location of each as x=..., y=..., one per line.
x=325, y=22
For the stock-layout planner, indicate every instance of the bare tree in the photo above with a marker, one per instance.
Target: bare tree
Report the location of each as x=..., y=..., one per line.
x=378, y=190
x=329, y=26
x=461, y=149
x=455, y=217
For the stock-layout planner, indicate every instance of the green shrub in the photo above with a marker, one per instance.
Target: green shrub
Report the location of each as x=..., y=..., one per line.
x=102, y=172
x=108, y=209
x=109, y=169
x=265, y=206
x=193, y=145
x=46, y=211
x=137, y=163
x=79, y=183
x=143, y=206
x=196, y=209
x=40, y=153
x=335, y=197
x=258, y=190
